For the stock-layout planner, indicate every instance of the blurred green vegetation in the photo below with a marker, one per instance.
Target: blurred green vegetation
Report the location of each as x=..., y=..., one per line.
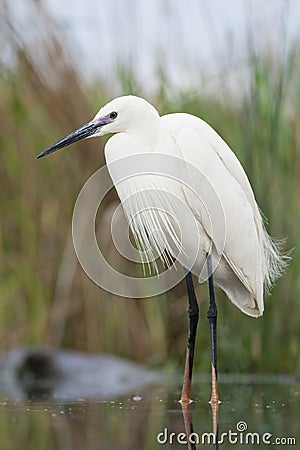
x=46, y=298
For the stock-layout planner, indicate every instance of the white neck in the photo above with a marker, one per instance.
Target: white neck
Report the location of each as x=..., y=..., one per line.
x=135, y=140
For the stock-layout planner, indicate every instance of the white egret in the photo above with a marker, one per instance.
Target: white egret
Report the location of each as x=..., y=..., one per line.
x=241, y=259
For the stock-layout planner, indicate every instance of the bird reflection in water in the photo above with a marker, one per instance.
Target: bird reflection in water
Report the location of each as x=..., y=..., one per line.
x=192, y=437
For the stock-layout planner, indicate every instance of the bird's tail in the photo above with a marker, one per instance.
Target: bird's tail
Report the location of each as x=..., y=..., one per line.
x=275, y=261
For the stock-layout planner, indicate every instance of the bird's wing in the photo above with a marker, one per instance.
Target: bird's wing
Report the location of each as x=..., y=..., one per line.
x=202, y=148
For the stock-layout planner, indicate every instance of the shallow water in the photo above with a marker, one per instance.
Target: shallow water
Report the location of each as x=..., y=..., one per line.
x=270, y=409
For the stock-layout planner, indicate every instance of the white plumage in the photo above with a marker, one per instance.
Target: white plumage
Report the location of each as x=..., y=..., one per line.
x=249, y=260
x=185, y=194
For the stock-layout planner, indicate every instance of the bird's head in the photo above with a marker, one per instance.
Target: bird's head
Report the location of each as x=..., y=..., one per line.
x=122, y=114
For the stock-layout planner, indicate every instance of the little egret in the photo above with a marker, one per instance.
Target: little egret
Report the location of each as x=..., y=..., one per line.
x=238, y=255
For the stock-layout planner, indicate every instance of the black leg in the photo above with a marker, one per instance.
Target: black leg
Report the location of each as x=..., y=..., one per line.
x=212, y=314
x=193, y=315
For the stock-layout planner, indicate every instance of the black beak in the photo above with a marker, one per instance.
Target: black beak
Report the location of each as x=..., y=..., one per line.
x=83, y=132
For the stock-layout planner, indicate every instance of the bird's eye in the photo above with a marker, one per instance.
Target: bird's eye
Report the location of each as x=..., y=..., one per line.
x=113, y=115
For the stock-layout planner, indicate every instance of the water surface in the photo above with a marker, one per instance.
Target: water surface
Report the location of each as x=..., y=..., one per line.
x=269, y=408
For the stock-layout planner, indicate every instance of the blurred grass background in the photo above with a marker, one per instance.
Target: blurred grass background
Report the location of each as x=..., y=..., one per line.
x=46, y=298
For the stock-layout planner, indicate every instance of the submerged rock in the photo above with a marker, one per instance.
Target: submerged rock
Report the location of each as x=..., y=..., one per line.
x=44, y=373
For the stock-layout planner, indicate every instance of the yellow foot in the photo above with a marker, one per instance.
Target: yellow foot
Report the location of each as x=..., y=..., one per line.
x=214, y=387
x=187, y=383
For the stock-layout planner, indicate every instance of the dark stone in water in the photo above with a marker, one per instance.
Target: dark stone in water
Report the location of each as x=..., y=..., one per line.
x=47, y=374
